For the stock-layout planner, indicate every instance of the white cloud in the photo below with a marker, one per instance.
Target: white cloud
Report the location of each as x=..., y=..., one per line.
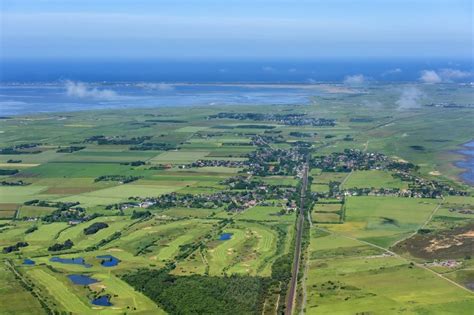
x=443, y=75
x=81, y=90
x=410, y=98
x=430, y=76
x=356, y=79
x=449, y=74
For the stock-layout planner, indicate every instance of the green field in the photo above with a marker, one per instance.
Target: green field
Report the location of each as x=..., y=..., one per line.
x=377, y=179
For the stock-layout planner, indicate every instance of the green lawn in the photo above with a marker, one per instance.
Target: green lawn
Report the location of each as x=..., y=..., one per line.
x=374, y=178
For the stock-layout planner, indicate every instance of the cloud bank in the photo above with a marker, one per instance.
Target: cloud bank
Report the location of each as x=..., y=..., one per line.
x=443, y=75
x=81, y=90
x=430, y=76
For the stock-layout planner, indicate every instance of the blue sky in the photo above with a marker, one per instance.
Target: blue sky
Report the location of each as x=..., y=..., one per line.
x=236, y=29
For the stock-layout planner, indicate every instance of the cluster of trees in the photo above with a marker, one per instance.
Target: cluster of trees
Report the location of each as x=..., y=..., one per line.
x=103, y=140
x=14, y=248
x=21, y=149
x=70, y=149
x=31, y=229
x=68, y=244
x=198, y=294
x=17, y=183
x=140, y=214
x=155, y=146
x=14, y=161
x=52, y=204
x=95, y=227
x=133, y=163
x=117, y=178
x=8, y=171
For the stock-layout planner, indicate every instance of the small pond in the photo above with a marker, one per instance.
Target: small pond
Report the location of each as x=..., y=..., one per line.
x=82, y=279
x=73, y=261
x=27, y=261
x=225, y=236
x=103, y=300
x=108, y=260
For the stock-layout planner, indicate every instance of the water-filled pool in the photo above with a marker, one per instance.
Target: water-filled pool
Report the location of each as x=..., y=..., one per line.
x=225, y=236
x=82, y=279
x=108, y=260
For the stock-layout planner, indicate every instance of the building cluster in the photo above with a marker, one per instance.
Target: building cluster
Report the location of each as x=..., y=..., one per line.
x=267, y=161
x=285, y=119
x=216, y=163
x=348, y=160
x=243, y=192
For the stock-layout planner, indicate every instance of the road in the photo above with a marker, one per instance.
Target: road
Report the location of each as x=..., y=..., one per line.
x=290, y=300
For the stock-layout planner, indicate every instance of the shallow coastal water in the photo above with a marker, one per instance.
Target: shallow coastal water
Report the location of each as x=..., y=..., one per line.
x=468, y=163
x=21, y=99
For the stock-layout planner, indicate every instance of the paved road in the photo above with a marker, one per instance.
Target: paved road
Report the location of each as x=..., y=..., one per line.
x=299, y=234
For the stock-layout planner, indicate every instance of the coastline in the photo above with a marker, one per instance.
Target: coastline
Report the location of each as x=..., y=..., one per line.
x=466, y=163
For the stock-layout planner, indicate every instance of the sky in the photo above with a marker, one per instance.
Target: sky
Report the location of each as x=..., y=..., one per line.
x=230, y=29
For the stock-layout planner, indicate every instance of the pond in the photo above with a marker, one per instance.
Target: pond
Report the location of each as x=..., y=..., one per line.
x=27, y=261
x=225, y=236
x=74, y=261
x=82, y=279
x=103, y=300
x=108, y=260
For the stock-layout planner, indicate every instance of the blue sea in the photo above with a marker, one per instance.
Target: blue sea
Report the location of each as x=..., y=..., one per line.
x=213, y=71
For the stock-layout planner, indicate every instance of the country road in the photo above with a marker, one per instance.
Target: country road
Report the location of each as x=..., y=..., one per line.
x=299, y=234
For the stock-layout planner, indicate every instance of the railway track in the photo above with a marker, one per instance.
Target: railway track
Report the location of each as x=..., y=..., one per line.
x=290, y=300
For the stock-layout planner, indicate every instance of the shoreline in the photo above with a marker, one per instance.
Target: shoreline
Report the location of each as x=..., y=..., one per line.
x=465, y=158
